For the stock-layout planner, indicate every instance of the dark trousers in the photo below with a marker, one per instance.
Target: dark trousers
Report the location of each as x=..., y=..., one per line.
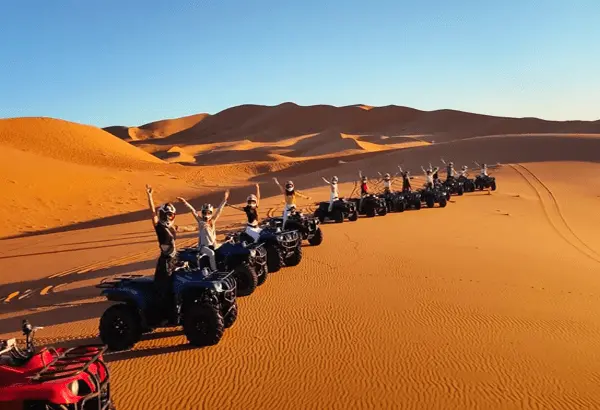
x=163, y=283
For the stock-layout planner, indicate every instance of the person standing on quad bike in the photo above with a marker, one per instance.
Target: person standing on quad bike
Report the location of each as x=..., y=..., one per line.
x=289, y=194
x=387, y=180
x=364, y=189
x=251, y=210
x=334, y=194
x=406, y=187
x=163, y=220
x=207, y=219
x=450, y=171
x=484, y=169
x=430, y=176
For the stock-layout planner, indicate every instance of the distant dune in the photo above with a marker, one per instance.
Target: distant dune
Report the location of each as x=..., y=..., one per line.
x=158, y=129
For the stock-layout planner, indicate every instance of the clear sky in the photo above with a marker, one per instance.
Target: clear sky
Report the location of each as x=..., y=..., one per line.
x=128, y=62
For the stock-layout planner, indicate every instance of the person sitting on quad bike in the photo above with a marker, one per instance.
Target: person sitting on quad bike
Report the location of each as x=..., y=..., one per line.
x=450, y=171
x=334, y=195
x=253, y=230
x=464, y=172
x=289, y=194
x=163, y=220
x=207, y=220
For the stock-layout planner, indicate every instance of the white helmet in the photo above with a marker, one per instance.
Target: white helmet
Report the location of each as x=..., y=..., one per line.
x=252, y=199
x=207, y=211
x=386, y=176
x=289, y=186
x=464, y=167
x=166, y=214
x=334, y=180
x=451, y=163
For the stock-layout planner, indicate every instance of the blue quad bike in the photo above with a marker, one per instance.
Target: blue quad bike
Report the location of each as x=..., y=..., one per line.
x=247, y=260
x=284, y=247
x=203, y=302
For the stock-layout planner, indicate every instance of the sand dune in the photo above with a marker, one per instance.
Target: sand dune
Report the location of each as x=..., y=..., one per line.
x=157, y=129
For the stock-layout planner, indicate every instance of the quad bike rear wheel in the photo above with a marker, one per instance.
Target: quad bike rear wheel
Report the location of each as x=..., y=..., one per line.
x=120, y=327
x=317, y=238
x=202, y=324
x=353, y=216
x=443, y=202
x=246, y=279
x=337, y=216
x=418, y=205
x=231, y=316
x=493, y=185
x=319, y=215
x=430, y=202
x=400, y=207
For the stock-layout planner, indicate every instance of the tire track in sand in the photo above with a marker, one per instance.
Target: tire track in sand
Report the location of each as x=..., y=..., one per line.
x=553, y=213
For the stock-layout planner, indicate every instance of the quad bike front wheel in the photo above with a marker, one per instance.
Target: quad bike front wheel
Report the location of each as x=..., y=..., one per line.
x=246, y=278
x=353, y=216
x=295, y=258
x=120, y=327
x=263, y=274
x=231, y=316
x=337, y=216
x=493, y=185
x=443, y=202
x=317, y=238
x=203, y=324
x=430, y=202
x=274, y=259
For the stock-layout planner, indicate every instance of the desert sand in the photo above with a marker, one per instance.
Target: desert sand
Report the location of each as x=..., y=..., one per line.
x=489, y=303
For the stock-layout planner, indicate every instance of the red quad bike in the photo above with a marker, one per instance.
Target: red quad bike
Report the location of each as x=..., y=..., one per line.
x=53, y=379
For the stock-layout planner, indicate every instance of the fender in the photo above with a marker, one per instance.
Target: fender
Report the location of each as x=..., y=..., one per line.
x=126, y=295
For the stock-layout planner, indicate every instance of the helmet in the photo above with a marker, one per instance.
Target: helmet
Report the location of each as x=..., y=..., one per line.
x=207, y=211
x=465, y=167
x=252, y=198
x=289, y=186
x=364, y=178
x=484, y=165
x=429, y=171
x=386, y=176
x=334, y=180
x=451, y=163
x=166, y=214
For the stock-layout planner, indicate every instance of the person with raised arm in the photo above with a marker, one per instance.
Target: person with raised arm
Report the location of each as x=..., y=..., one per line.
x=251, y=210
x=207, y=220
x=334, y=191
x=289, y=194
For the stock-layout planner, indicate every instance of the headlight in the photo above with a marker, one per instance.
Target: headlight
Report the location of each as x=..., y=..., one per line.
x=218, y=287
x=74, y=387
x=252, y=253
x=279, y=238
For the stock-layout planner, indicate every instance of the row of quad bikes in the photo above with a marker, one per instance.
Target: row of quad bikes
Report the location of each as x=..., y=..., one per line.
x=203, y=302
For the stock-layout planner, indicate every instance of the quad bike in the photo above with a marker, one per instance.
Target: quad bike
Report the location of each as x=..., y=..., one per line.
x=342, y=209
x=468, y=183
x=248, y=261
x=443, y=188
x=485, y=181
x=455, y=186
x=431, y=196
x=284, y=248
x=203, y=302
x=307, y=226
x=394, y=201
x=53, y=378
x=371, y=205
x=413, y=199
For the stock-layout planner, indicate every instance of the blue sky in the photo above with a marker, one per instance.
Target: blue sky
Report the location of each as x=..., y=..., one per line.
x=129, y=62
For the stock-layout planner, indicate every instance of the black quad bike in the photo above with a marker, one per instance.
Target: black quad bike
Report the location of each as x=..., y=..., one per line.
x=468, y=183
x=395, y=201
x=371, y=205
x=247, y=260
x=342, y=209
x=455, y=186
x=432, y=196
x=485, y=182
x=307, y=226
x=284, y=248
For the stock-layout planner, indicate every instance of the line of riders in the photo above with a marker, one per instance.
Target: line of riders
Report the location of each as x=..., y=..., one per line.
x=163, y=217
x=204, y=305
